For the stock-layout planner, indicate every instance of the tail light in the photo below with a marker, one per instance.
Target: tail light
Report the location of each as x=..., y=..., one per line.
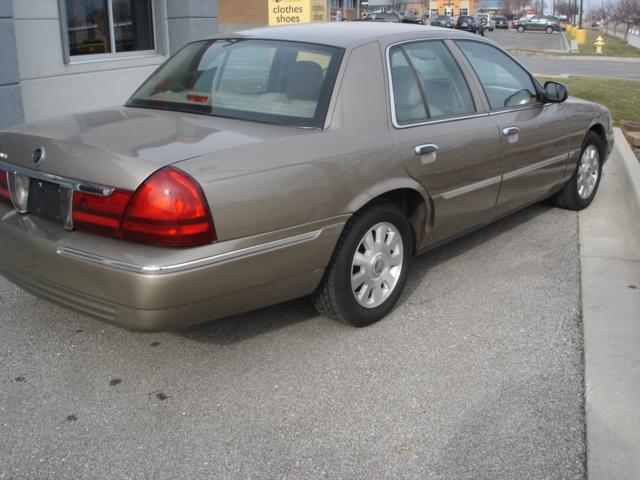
x=168, y=209
x=98, y=214
x=5, y=195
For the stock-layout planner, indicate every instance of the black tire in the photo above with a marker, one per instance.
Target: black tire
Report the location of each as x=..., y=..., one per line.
x=568, y=197
x=334, y=297
x=520, y=29
x=549, y=30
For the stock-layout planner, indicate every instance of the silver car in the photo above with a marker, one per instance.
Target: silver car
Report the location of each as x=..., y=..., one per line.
x=277, y=163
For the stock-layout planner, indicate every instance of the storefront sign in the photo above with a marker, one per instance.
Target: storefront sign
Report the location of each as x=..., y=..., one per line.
x=288, y=12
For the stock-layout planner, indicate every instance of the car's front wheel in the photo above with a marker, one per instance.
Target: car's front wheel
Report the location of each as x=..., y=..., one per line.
x=521, y=29
x=549, y=30
x=369, y=267
x=581, y=189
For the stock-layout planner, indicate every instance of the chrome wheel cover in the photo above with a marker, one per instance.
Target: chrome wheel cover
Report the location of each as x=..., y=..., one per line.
x=588, y=172
x=377, y=265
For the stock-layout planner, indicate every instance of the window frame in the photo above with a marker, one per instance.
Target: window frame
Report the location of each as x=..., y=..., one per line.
x=158, y=38
x=536, y=85
x=448, y=118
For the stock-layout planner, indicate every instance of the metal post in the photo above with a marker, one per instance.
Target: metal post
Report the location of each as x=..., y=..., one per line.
x=344, y=9
x=580, y=15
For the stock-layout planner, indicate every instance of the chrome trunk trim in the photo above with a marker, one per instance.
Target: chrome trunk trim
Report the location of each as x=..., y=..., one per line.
x=76, y=185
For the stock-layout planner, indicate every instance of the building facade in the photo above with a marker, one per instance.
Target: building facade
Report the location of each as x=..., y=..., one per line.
x=453, y=7
x=65, y=56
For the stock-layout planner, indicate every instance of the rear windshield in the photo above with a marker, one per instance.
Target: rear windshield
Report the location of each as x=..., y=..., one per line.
x=285, y=83
x=466, y=19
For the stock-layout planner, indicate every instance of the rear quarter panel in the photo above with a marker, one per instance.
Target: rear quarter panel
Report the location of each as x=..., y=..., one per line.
x=287, y=181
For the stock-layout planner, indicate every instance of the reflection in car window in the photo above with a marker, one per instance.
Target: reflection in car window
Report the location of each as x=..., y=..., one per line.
x=441, y=83
x=408, y=103
x=505, y=83
x=278, y=82
x=444, y=86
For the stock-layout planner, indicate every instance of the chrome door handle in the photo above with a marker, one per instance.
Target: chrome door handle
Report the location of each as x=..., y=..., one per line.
x=510, y=131
x=426, y=149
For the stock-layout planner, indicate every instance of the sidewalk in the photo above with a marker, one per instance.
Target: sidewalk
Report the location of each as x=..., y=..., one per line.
x=610, y=262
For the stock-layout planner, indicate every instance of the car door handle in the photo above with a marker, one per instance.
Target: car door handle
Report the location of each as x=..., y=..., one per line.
x=510, y=131
x=426, y=149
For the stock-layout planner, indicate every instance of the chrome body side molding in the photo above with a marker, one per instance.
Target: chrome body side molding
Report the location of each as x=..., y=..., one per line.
x=190, y=265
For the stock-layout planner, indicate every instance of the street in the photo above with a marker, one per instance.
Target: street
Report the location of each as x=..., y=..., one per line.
x=511, y=39
x=478, y=373
x=626, y=69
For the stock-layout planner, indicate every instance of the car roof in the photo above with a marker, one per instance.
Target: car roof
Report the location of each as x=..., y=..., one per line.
x=346, y=34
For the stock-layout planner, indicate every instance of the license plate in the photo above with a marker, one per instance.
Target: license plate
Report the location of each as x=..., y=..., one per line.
x=50, y=201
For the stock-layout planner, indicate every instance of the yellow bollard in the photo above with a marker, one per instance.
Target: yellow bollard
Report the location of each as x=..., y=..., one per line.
x=599, y=43
x=581, y=36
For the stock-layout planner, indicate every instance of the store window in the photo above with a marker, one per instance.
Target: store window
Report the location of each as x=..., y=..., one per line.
x=109, y=27
x=348, y=3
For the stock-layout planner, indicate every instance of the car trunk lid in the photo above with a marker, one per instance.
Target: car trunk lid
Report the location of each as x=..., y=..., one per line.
x=121, y=147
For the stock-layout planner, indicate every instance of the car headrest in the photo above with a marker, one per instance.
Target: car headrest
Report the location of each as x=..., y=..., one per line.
x=405, y=89
x=304, y=81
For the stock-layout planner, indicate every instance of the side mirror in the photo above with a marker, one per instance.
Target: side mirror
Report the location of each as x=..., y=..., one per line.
x=555, y=92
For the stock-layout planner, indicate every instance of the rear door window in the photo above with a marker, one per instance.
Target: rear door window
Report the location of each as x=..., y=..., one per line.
x=427, y=72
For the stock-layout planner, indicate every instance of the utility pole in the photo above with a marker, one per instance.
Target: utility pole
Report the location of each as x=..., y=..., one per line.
x=580, y=27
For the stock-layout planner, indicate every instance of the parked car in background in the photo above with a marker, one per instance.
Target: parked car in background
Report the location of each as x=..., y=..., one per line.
x=485, y=20
x=540, y=24
x=392, y=17
x=502, y=22
x=276, y=163
x=468, y=24
x=411, y=16
x=442, y=21
x=515, y=22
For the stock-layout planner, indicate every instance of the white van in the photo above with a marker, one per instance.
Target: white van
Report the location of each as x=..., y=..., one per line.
x=486, y=20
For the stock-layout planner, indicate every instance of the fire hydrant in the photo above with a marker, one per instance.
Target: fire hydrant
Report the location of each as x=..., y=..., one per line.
x=599, y=44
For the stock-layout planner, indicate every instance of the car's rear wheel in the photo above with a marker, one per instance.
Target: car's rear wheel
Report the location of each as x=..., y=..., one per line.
x=369, y=267
x=521, y=29
x=549, y=30
x=581, y=189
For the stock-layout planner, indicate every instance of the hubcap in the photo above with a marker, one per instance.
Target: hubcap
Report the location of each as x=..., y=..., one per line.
x=377, y=264
x=588, y=172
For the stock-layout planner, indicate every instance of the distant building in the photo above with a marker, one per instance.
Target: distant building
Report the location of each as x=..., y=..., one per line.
x=453, y=7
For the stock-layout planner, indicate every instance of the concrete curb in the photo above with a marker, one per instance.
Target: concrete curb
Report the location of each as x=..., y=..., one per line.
x=583, y=57
x=565, y=41
x=610, y=285
x=631, y=178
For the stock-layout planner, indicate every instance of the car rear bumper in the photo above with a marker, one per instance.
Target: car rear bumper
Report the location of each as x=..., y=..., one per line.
x=149, y=288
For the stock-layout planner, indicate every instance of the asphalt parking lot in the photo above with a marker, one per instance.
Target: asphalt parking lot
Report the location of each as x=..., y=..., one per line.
x=511, y=39
x=478, y=373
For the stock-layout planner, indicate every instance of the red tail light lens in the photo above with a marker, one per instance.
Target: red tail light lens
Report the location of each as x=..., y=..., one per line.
x=5, y=196
x=98, y=214
x=168, y=209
